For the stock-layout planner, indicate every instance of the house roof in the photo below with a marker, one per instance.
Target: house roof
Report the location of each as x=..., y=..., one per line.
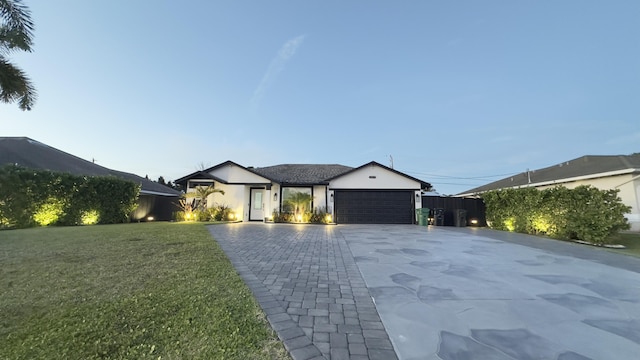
x=301, y=174
x=423, y=184
x=32, y=154
x=295, y=174
x=585, y=167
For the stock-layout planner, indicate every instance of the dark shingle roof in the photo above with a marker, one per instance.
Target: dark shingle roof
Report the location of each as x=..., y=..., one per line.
x=32, y=154
x=301, y=174
x=590, y=165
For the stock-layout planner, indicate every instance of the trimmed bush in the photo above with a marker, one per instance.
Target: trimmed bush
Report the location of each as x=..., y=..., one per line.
x=584, y=213
x=318, y=216
x=40, y=197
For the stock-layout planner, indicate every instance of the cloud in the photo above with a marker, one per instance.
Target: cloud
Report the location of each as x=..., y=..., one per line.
x=276, y=66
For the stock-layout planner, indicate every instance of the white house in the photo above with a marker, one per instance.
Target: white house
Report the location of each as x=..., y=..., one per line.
x=371, y=193
x=606, y=172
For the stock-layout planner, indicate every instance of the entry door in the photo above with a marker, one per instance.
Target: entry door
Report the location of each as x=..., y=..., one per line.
x=257, y=205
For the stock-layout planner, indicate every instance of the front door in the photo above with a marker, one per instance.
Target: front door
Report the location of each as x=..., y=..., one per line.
x=257, y=205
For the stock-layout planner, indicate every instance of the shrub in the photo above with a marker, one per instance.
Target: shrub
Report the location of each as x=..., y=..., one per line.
x=222, y=213
x=282, y=217
x=41, y=197
x=584, y=213
x=318, y=216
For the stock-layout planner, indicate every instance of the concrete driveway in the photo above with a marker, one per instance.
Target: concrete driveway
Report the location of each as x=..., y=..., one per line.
x=440, y=293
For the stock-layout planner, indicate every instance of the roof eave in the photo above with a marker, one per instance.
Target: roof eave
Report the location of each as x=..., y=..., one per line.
x=557, y=182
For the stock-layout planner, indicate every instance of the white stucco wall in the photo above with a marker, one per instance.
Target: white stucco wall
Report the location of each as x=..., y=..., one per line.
x=373, y=177
x=319, y=197
x=274, y=204
x=234, y=197
x=235, y=174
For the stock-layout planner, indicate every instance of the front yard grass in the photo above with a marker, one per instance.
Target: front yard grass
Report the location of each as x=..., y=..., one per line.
x=131, y=291
x=631, y=241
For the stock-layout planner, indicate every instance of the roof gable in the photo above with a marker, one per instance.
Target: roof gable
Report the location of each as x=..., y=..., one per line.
x=423, y=184
x=227, y=172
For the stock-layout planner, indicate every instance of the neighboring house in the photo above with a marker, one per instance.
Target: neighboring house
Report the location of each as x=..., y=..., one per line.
x=371, y=193
x=156, y=200
x=606, y=172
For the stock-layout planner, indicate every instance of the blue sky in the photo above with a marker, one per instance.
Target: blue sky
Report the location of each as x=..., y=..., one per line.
x=457, y=93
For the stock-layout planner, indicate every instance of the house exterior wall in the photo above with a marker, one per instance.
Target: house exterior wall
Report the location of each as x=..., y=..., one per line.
x=235, y=174
x=274, y=204
x=235, y=196
x=629, y=186
x=373, y=177
x=320, y=197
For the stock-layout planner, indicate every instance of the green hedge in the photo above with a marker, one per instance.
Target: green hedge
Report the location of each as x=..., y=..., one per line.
x=31, y=197
x=584, y=213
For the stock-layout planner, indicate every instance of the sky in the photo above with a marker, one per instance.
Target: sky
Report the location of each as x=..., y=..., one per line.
x=455, y=93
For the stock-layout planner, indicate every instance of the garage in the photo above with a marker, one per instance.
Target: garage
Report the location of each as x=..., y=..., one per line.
x=374, y=206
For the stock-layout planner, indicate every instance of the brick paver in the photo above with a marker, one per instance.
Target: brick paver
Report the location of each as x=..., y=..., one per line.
x=308, y=284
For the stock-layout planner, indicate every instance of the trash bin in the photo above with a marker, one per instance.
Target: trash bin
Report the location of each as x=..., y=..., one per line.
x=438, y=217
x=460, y=217
x=423, y=216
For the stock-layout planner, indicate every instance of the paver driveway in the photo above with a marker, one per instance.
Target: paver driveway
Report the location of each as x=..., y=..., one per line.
x=441, y=293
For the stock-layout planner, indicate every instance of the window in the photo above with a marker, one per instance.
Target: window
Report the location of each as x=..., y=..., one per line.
x=296, y=200
x=195, y=183
x=257, y=200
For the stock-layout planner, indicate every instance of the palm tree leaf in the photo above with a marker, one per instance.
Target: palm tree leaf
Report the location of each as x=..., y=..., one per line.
x=16, y=27
x=15, y=85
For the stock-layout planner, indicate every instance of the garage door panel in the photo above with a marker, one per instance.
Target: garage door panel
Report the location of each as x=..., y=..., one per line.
x=374, y=207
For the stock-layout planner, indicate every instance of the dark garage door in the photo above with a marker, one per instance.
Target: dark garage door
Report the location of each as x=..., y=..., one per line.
x=374, y=206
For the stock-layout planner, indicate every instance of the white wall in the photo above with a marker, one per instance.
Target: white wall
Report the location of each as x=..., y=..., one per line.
x=274, y=204
x=234, y=196
x=319, y=197
x=373, y=177
x=235, y=174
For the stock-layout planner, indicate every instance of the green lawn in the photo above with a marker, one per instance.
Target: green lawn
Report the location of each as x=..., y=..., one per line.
x=630, y=240
x=132, y=291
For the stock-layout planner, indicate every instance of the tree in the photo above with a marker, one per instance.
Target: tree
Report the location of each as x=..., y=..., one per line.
x=202, y=193
x=16, y=33
x=299, y=202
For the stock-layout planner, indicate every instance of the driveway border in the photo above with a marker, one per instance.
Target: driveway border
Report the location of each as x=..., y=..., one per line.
x=343, y=324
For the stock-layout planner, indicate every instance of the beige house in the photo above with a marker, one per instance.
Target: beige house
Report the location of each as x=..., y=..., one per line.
x=606, y=172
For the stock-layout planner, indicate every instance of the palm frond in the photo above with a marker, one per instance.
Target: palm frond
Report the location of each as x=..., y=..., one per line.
x=16, y=27
x=15, y=85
